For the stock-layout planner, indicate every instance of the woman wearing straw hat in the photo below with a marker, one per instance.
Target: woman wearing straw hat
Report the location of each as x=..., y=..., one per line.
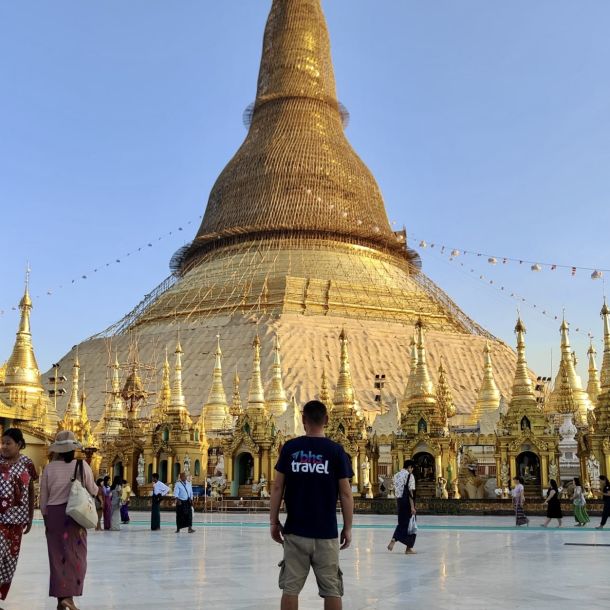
x=66, y=539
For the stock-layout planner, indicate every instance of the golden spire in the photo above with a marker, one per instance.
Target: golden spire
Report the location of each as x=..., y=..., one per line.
x=159, y=411
x=444, y=397
x=256, y=392
x=422, y=388
x=73, y=408
x=296, y=116
x=605, y=372
x=177, y=394
x=325, y=396
x=277, y=400
x=557, y=399
x=177, y=406
x=562, y=398
x=116, y=382
x=114, y=412
x=523, y=391
x=216, y=409
x=593, y=384
x=21, y=367
x=236, y=406
x=166, y=388
x=86, y=438
x=411, y=380
x=488, y=398
x=344, y=399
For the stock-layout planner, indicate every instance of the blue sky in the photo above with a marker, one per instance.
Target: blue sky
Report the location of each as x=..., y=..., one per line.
x=486, y=124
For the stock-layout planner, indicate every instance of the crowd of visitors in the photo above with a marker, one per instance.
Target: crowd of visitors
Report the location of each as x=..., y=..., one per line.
x=312, y=474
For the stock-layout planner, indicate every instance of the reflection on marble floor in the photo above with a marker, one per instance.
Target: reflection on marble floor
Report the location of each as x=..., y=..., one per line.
x=230, y=562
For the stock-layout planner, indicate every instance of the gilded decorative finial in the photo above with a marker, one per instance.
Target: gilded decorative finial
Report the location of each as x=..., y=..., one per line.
x=277, y=399
x=73, y=403
x=411, y=379
x=344, y=399
x=236, y=405
x=523, y=391
x=444, y=397
x=423, y=389
x=325, y=396
x=488, y=397
x=593, y=382
x=560, y=401
x=177, y=394
x=216, y=409
x=605, y=370
x=21, y=367
x=256, y=392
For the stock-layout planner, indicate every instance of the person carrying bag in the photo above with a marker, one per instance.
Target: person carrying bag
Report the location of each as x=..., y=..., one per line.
x=81, y=504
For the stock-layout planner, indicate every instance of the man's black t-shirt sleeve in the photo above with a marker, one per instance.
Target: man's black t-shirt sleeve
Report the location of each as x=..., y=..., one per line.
x=343, y=466
x=282, y=462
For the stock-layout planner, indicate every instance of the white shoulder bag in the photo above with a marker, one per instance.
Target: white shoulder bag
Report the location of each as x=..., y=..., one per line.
x=81, y=505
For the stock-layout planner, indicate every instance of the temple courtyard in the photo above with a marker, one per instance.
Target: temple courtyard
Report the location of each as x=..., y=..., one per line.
x=230, y=562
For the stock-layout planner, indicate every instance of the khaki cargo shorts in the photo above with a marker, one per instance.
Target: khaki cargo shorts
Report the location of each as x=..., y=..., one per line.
x=318, y=553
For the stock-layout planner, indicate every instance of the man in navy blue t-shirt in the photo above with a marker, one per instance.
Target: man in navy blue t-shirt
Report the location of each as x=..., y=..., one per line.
x=312, y=473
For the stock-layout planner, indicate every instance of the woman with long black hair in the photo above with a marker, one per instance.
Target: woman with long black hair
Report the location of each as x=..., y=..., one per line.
x=553, y=505
x=404, y=487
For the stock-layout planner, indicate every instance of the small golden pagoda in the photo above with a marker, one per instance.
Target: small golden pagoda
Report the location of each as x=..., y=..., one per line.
x=23, y=399
x=175, y=444
x=486, y=410
x=567, y=374
x=216, y=410
x=424, y=430
x=527, y=444
x=346, y=425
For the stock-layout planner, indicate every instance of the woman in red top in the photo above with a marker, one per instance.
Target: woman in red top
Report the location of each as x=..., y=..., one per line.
x=17, y=476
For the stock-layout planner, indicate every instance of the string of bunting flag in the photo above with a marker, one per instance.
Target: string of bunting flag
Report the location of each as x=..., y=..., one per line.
x=493, y=259
x=449, y=256
x=113, y=262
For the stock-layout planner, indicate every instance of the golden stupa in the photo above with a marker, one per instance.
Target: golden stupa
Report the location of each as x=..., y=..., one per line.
x=295, y=243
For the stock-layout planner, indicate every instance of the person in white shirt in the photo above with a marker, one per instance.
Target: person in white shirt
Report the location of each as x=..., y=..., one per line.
x=183, y=492
x=404, y=486
x=160, y=489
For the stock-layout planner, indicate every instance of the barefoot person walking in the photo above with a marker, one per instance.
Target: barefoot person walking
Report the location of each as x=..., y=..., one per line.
x=17, y=476
x=66, y=539
x=404, y=488
x=183, y=492
x=311, y=472
x=553, y=505
x=604, y=486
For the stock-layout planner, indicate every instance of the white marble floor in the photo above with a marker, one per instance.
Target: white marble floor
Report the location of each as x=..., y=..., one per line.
x=231, y=563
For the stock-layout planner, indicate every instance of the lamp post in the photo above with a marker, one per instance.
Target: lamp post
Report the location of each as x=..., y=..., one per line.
x=379, y=384
x=56, y=380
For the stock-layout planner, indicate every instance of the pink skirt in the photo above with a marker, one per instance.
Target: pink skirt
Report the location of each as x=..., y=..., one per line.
x=67, y=547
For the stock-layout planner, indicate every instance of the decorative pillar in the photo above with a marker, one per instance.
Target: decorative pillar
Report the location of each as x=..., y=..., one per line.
x=257, y=468
x=512, y=460
x=265, y=464
x=438, y=466
x=170, y=468
x=544, y=465
x=356, y=478
x=401, y=459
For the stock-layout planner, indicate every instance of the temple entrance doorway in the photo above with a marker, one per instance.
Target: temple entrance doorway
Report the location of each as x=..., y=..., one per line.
x=528, y=467
x=424, y=467
x=117, y=469
x=243, y=472
x=163, y=471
